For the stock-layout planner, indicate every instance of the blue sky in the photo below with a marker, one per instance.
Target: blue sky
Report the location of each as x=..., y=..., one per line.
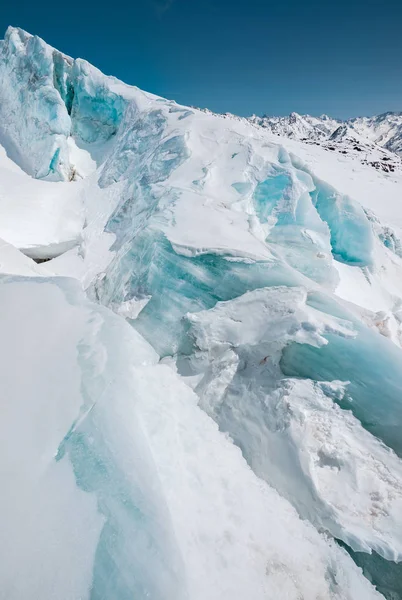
x=342, y=58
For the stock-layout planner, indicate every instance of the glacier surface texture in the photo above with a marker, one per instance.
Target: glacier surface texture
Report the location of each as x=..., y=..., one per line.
x=200, y=349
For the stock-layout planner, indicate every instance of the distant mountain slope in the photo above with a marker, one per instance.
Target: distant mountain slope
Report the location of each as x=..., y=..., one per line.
x=384, y=130
x=378, y=137
x=375, y=141
x=299, y=126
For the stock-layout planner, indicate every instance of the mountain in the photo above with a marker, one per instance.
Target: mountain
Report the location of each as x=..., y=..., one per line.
x=298, y=126
x=200, y=349
x=384, y=130
x=378, y=138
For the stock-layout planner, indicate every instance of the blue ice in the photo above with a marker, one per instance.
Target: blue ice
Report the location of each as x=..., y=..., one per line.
x=370, y=362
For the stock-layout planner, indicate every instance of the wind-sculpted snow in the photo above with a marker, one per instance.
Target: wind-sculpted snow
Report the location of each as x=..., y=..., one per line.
x=42, y=218
x=261, y=284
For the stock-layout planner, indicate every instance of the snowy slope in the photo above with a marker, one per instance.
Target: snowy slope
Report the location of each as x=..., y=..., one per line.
x=299, y=126
x=377, y=141
x=114, y=459
x=384, y=130
x=44, y=219
x=221, y=309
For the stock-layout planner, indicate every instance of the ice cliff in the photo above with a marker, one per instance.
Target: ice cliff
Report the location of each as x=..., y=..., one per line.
x=61, y=103
x=203, y=381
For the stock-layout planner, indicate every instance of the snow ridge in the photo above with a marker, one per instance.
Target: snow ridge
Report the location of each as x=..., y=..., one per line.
x=203, y=351
x=379, y=138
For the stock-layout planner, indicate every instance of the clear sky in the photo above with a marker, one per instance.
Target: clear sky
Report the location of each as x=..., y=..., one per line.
x=343, y=58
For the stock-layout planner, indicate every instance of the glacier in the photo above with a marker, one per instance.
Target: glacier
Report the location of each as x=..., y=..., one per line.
x=200, y=351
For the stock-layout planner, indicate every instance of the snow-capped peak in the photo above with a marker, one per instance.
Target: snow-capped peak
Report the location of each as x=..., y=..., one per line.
x=375, y=140
x=384, y=130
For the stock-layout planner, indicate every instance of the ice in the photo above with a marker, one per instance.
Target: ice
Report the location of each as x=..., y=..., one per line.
x=216, y=513
x=96, y=112
x=290, y=430
x=356, y=360
x=28, y=95
x=270, y=195
x=78, y=452
x=350, y=230
x=177, y=283
x=57, y=98
x=243, y=421
x=115, y=457
x=296, y=228
x=351, y=234
x=384, y=574
x=144, y=136
x=56, y=533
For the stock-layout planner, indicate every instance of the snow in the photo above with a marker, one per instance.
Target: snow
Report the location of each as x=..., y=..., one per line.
x=291, y=431
x=384, y=130
x=13, y=262
x=40, y=218
x=381, y=192
x=210, y=354
x=229, y=524
x=57, y=534
x=116, y=464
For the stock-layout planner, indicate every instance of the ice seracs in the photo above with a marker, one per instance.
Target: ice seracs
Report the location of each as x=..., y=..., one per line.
x=211, y=353
x=63, y=104
x=116, y=464
x=292, y=431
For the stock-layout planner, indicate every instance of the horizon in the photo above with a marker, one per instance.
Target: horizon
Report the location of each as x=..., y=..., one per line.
x=164, y=47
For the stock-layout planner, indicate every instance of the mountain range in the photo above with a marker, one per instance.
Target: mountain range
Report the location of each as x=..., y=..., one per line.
x=384, y=130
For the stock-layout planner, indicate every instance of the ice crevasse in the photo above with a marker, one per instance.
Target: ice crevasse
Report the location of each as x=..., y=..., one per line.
x=210, y=404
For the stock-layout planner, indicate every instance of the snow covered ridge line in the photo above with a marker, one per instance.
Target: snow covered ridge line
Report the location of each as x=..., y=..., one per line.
x=384, y=130
x=374, y=141
x=208, y=444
